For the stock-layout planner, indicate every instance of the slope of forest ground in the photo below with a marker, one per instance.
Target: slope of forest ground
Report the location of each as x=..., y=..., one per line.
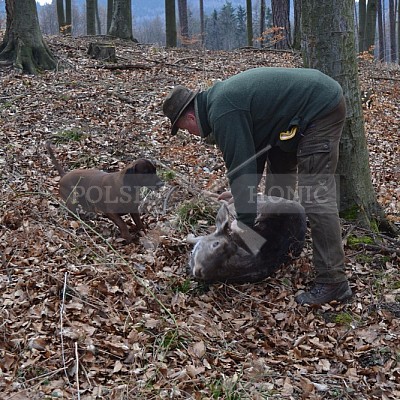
x=85, y=316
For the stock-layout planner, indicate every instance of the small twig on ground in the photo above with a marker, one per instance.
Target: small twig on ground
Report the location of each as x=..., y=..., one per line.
x=385, y=78
x=120, y=66
x=383, y=249
x=77, y=370
x=165, y=205
x=62, y=325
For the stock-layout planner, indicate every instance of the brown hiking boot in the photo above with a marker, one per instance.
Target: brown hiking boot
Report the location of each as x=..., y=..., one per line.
x=324, y=293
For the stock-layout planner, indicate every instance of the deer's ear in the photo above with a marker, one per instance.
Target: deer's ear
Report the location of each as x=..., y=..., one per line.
x=222, y=220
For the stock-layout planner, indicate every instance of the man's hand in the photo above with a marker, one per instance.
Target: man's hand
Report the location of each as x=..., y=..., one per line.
x=236, y=228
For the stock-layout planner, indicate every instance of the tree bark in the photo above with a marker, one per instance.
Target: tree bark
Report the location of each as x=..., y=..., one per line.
x=297, y=24
x=398, y=32
x=201, y=6
x=23, y=44
x=329, y=46
x=370, y=25
x=102, y=51
x=280, y=19
x=98, y=22
x=381, y=32
x=121, y=23
x=170, y=23
x=362, y=12
x=110, y=6
x=61, y=16
x=68, y=17
x=249, y=11
x=392, y=30
x=183, y=22
x=90, y=17
x=262, y=22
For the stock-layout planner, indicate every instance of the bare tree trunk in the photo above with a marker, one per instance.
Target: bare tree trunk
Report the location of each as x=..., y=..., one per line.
x=23, y=44
x=329, y=45
x=201, y=5
x=121, y=23
x=381, y=32
x=170, y=23
x=297, y=24
x=280, y=19
x=93, y=25
x=398, y=32
x=90, y=17
x=384, y=29
x=370, y=25
x=262, y=22
x=183, y=22
x=392, y=30
x=61, y=16
x=98, y=22
x=249, y=11
x=68, y=17
x=110, y=6
x=362, y=13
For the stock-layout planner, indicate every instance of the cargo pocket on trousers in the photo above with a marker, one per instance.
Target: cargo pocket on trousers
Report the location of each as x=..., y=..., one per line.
x=314, y=158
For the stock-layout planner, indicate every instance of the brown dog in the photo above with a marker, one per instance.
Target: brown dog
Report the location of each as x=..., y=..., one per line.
x=113, y=194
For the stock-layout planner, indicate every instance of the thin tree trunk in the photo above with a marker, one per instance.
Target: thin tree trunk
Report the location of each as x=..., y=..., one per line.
x=370, y=25
x=110, y=6
x=328, y=30
x=362, y=12
x=170, y=23
x=392, y=30
x=183, y=22
x=398, y=32
x=280, y=19
x=381, y=34
x=201, y=5
x=249, y=11
x=68, y=17
x=90, y=17
x=297, y=24
x=61, y=16
x=262, y=22
x=121, y=23
x=98, y=22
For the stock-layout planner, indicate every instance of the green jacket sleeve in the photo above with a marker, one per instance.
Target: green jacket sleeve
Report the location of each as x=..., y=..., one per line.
x=233, y=134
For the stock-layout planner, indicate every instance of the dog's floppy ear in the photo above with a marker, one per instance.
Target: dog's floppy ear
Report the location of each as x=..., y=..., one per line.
x=131, y=169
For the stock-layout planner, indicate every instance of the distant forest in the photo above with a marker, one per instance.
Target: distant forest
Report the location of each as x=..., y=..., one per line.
x=225, y=26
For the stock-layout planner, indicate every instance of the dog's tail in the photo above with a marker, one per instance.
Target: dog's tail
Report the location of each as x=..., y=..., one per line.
x=59, y=168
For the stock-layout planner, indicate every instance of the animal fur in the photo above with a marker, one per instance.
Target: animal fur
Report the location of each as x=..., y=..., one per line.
x=224, y=256
x=112, y=194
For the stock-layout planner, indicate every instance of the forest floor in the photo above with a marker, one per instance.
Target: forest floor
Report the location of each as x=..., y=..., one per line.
x=85, y=316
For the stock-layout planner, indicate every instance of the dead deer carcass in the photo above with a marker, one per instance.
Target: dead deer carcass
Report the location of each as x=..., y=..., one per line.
x=225, y=256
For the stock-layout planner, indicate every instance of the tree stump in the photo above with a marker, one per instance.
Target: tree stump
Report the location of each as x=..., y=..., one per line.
x=102, y=51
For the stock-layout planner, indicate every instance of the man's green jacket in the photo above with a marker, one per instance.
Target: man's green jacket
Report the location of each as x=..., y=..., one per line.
x=255, y=110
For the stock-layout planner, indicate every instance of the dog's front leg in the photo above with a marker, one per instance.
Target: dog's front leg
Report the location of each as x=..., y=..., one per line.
x=123, y=227
x=138, y=222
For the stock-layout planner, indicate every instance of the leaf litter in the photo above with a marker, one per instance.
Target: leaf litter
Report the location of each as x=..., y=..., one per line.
x=85, y=316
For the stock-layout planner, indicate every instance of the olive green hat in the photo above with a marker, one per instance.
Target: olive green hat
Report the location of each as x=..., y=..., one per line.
x=175, y=103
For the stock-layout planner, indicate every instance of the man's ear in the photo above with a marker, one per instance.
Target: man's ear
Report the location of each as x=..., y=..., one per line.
x=191, y=115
